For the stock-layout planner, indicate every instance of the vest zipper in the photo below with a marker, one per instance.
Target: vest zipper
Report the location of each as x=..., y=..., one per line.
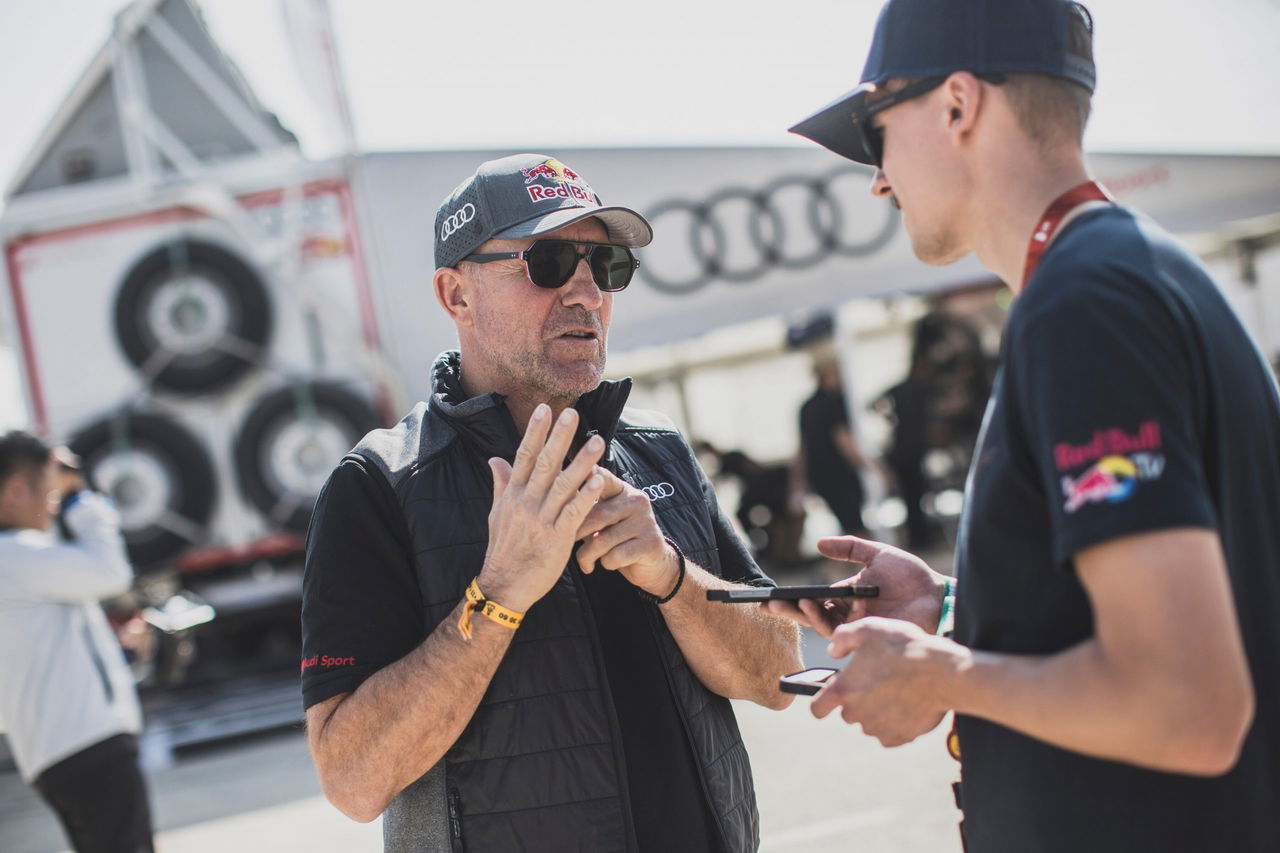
x=606, y=694
x=654, y=616
x=455, y=821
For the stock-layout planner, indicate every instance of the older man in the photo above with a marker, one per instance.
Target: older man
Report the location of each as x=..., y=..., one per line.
x=1117, y=673
x=507, y=643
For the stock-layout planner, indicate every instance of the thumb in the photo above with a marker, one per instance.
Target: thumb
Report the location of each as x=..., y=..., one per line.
x=613, y=484
x=501, y=469
x=845, y=640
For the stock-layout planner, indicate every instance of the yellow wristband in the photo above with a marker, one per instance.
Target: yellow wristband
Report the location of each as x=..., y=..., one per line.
x=492, y=609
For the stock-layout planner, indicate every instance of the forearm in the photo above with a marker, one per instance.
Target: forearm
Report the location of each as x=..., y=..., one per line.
x=1081, y=700
x=401, y=721
x=736, y=651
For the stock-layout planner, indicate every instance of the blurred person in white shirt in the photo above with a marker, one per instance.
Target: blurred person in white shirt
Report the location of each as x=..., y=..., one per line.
x=67, y=699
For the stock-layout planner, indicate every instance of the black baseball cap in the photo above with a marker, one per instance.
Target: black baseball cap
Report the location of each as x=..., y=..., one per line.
x=525, y=195
x=932, y=38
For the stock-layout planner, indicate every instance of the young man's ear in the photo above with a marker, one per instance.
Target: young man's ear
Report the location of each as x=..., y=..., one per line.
x=454, y=294
x=964, y=101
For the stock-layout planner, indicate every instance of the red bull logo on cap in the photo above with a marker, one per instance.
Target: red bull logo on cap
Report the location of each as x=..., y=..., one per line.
x=1111, y=480
x=564, y=183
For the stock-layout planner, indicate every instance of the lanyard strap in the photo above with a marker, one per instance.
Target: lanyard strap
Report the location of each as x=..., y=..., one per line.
x=1052, y=219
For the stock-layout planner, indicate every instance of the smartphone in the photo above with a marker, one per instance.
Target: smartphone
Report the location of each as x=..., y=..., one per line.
x=791, y=593
x=807, y=682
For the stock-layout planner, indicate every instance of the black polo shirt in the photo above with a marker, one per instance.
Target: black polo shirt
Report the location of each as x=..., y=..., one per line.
x=1129, y=399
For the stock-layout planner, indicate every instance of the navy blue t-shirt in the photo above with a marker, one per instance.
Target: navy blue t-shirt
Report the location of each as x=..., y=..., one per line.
x=1129, y=399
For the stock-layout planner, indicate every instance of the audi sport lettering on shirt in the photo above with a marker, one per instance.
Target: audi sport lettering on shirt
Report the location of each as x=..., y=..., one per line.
x=327, y=662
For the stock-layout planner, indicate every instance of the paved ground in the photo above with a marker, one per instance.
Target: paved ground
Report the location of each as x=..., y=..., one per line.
x=822, y=786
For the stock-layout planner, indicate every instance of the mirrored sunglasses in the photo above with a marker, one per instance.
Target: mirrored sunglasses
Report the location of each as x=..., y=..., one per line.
x=551, y=263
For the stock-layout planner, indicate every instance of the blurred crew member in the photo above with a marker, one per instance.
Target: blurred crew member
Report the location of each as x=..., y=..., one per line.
x=503, y=651
x=830, y=458
x=67, y=699
x=1116, y=664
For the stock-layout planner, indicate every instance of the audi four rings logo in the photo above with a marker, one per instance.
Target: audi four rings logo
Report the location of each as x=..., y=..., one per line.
x=461, y=217
x=659, y=490
x=738, y=234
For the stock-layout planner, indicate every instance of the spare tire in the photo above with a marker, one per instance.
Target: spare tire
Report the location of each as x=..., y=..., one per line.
x=289, y=444
x=159, y=477
x=192, y=316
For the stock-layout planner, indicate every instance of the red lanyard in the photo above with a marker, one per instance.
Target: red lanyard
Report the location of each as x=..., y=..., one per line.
x=1064, y=204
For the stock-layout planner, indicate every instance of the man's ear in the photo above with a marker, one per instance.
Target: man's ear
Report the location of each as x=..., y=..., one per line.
x=963, y=94
x=453, y=292
x=11, y=496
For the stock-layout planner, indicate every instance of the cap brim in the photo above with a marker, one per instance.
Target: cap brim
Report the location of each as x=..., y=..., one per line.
x=833, y=126
x=624, y=225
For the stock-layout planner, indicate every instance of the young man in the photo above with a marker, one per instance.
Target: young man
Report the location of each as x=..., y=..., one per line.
x=1116, y=665
x=67, y=699
x=505, y=652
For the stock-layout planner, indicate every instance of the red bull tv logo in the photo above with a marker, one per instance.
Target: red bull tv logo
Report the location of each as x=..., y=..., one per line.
x=553, y=180
x=1111, y=480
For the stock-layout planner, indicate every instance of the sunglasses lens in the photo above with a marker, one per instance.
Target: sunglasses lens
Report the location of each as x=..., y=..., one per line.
x=873, y=144
x=611, y=267
x=551, y=262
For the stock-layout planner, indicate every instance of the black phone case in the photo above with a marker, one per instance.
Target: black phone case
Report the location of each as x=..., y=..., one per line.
x=791, y=593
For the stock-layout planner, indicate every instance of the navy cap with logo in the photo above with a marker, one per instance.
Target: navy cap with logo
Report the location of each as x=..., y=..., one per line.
x=932, y=38
x=525, y=195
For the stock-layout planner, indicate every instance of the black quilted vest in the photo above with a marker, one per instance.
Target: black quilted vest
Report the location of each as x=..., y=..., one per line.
x=540, y=766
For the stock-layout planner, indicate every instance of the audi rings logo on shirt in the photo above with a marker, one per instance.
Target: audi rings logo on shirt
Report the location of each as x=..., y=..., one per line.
x=461, y=217
x=659, y=491
x=739, y=234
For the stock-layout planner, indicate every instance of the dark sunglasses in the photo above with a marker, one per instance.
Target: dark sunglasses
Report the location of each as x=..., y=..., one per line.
x=550, y=263
x=873, y=137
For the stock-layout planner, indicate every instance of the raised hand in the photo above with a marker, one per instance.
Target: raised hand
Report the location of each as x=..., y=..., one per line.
x=538, y=508
x=896, y=681
x=622, y=533
x=909, y=589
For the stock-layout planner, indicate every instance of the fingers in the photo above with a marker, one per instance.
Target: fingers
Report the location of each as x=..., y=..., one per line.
x=550, y=459
x=846, y=639
x=789, y=609
x=850, y=549
x=620, y=544
x=613, y=507
x=501, y=476
x=535, y=436
x=826, y=700
x=580, y=504
x=613, y=484
x=821, y=617
x=569, y=481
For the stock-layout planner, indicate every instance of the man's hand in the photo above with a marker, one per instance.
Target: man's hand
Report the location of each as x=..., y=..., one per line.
x=538, y=509
x=909, y=589
x=895, y=681
x=623, y=535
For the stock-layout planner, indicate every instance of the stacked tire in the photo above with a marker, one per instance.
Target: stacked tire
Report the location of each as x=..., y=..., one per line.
x=195, y=320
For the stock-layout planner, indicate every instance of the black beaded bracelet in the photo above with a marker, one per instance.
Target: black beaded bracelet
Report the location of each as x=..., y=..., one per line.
x=679, y=579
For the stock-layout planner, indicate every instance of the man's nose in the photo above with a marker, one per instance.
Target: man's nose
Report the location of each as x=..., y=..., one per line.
x=880, y=185
x=581, y=288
